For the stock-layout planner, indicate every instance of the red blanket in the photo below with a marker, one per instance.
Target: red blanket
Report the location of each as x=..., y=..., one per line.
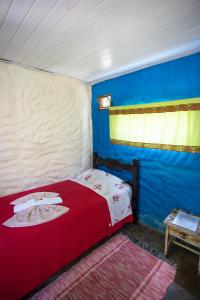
x=30, y=255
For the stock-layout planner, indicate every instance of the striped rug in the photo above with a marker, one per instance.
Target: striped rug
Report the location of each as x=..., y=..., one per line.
x=118, y=270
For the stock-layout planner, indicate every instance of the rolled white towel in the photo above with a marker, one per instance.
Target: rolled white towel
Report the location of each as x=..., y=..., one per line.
x=34, y=202
x=55, y=200
x=25, y=205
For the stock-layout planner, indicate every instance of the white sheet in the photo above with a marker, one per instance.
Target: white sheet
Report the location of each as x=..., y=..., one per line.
x=116, y=192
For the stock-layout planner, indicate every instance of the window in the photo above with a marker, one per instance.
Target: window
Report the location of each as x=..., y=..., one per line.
x=173, y=125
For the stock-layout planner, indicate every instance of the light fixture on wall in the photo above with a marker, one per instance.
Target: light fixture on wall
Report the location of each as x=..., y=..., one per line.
x=104, y=101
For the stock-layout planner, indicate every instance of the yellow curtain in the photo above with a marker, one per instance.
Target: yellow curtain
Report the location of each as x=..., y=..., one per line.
x=173, y=125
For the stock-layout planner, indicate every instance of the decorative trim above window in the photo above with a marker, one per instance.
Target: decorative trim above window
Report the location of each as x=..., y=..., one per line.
x=173, y=125
x=161, y=109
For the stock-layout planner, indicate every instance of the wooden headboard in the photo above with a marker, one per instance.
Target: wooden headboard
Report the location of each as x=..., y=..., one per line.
x=132, y=168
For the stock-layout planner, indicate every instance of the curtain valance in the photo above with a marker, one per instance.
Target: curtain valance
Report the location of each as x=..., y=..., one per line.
x=173, y=125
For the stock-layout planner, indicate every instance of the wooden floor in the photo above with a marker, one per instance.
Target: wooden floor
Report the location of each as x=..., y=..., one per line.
x=187, y=281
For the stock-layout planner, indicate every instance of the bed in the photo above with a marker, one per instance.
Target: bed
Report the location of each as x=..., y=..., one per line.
x=30, y=255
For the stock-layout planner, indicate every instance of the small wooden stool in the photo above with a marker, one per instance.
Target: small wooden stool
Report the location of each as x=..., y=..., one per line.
x=179, y=234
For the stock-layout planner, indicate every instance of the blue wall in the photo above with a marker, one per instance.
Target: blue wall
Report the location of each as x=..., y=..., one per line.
x=168, y=179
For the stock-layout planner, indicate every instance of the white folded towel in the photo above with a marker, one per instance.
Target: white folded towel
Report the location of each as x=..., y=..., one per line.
x=34, y=202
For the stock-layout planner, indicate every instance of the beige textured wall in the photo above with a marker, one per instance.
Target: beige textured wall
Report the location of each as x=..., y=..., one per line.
x=45, y=128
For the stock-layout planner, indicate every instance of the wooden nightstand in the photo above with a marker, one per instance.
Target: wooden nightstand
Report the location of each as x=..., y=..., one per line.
x=180, y=236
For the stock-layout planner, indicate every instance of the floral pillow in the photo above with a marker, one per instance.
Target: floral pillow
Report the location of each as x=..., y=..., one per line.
x=113, y=189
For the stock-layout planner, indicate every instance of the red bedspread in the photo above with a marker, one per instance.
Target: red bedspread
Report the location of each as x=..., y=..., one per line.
x=30, y=255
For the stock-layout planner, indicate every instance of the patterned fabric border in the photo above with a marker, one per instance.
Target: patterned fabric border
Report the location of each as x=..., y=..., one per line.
x=179, y=148
x=158, y=109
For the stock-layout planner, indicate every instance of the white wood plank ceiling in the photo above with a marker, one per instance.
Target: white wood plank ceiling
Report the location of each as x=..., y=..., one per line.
x=92, y=40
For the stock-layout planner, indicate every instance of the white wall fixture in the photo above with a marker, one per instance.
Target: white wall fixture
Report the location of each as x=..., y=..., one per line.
x=104, y=101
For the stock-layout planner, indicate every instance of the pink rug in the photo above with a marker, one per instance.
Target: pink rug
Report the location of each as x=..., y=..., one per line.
x=118, y=270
